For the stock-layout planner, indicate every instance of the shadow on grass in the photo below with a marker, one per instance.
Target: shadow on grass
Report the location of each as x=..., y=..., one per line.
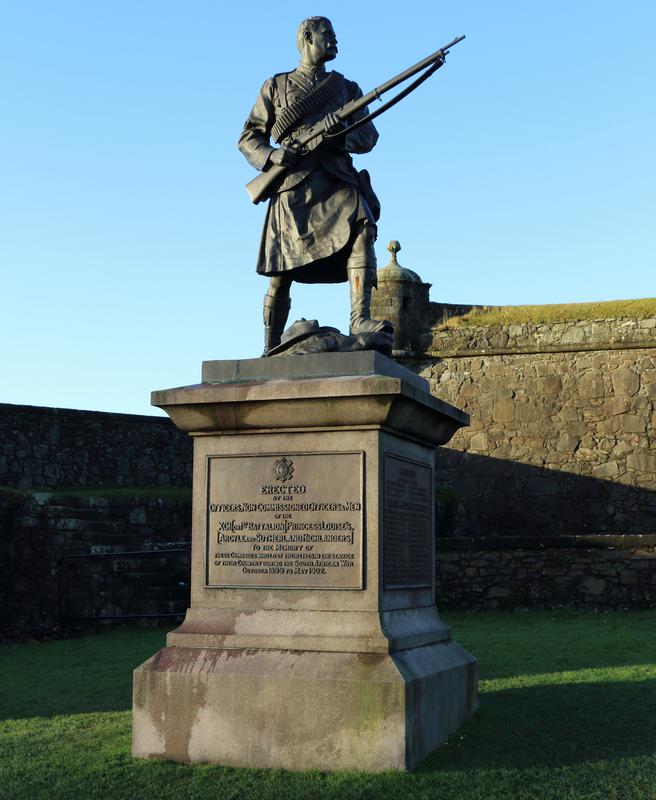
x=527, y=643
x=543, y=724
x=74, y=676
x=554, y=725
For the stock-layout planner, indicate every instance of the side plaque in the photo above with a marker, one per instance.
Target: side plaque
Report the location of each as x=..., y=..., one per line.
x=285, y=521
x=408, y=524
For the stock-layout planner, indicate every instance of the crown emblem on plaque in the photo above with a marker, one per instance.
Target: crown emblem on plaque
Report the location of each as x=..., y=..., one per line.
x=284, y=469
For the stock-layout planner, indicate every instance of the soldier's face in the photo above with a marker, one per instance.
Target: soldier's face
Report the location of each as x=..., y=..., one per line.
x=323, y=44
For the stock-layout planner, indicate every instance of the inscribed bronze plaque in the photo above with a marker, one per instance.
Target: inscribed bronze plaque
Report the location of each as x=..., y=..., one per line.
x=407, y=523
x=286, y=521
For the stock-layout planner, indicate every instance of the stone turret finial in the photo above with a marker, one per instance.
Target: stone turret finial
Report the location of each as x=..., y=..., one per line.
x=394, y=271
x=402, y=297
x=394, y=248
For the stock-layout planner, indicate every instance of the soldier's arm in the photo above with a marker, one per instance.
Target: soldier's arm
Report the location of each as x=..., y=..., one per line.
x=363, y=139
x=254, y=142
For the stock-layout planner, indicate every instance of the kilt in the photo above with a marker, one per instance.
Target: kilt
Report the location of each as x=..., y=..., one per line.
x=310, y=228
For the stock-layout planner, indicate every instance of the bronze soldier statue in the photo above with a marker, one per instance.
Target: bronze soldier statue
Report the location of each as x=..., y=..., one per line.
x=320, y=226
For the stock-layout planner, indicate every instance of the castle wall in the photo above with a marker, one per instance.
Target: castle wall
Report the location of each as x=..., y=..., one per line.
x=562, y=436
x=547, y=499
x=595, y=573
x=47, y=447
x=70, y=515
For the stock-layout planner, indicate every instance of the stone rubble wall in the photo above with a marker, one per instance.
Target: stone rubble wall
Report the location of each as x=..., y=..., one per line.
x=54, y=447
x=46, y=450
x=562, y=439
x=598, y=334
x=562, y=444
x=40, y=584
x=607, y=573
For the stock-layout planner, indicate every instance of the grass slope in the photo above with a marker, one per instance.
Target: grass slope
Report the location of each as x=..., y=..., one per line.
x=565, y=312
x=568, y=711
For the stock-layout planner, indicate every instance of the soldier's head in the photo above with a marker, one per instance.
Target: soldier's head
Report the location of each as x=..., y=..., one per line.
x=316, y=40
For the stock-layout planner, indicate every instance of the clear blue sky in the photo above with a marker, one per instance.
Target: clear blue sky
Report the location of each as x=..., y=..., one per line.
x=522, y=172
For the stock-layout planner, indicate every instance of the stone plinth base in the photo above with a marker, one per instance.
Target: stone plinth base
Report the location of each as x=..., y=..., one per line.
x=312, y=640
x=301, y=710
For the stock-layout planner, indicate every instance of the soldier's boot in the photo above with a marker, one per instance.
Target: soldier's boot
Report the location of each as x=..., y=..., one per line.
x=276, y=311
x=361, y=281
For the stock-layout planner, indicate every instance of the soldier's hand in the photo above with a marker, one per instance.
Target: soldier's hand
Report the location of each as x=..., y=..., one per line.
x=284, y=156
x=333, y=124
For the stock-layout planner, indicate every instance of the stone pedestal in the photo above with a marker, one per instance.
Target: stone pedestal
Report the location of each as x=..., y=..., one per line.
x=313, y=640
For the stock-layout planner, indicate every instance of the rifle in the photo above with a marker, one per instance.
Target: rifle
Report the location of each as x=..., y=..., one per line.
x=262, y=187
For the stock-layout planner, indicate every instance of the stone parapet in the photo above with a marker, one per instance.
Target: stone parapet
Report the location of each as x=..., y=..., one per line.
x=547, y=337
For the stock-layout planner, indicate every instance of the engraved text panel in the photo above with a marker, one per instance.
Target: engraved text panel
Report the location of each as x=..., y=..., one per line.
x=285, y=521
x=408, y=523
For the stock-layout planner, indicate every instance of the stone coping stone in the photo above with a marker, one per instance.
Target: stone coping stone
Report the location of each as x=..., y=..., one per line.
x=316, y=365
x=10, y=409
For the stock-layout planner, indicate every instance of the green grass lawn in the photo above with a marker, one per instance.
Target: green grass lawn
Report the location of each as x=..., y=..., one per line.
x=554, y=312
x=568, y=710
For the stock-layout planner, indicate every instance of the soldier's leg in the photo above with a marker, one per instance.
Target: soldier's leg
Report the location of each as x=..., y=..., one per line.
x=361, y=268
x=276, y=310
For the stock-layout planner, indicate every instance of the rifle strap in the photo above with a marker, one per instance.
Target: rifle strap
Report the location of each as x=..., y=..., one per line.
x=396, y=99
x=290, y=116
